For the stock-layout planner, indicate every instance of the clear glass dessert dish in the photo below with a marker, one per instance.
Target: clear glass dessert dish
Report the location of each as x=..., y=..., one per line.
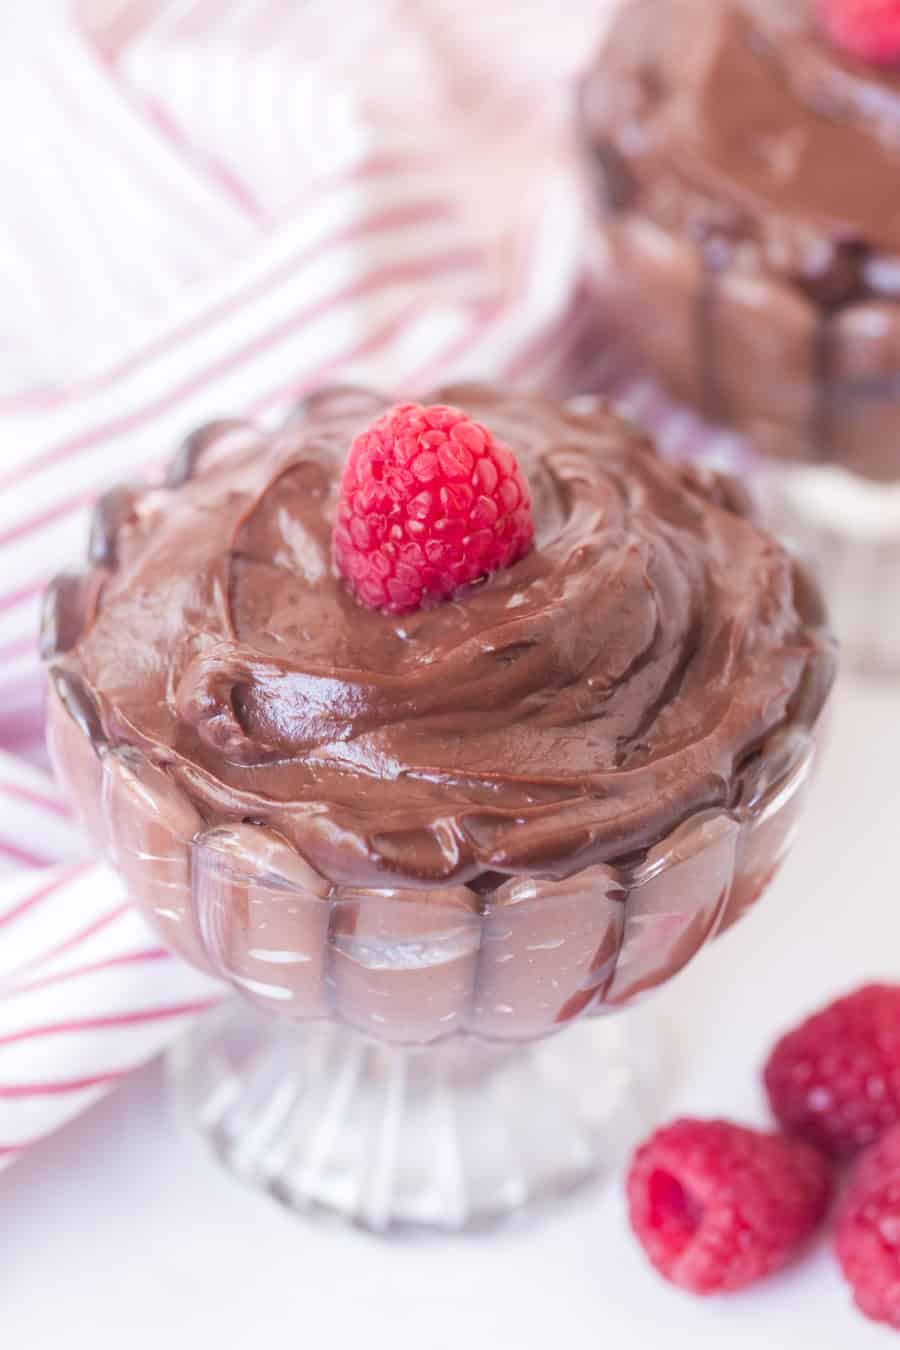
x=418, y=845
x=388, y=1058
x=745, y=252
x=848, y=530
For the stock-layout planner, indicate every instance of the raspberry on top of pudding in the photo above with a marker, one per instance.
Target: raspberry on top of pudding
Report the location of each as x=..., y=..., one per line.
x=565, y=709
x=868, y=30
x=430, y=502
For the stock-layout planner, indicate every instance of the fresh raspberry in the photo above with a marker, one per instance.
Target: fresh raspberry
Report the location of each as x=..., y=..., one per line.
x=867, y=1238
x=835, y=1080
x=868, y=30
x=430, y=502
x=717, y=1206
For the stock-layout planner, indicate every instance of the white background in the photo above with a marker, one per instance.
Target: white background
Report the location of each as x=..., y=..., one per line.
x=119, y=1232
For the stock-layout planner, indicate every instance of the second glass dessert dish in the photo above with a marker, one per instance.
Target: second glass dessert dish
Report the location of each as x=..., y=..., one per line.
x=474, y=737
x=743, y=156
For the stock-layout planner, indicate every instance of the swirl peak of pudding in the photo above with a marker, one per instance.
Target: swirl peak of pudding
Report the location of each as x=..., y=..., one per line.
x=752, y=128
x=570, y=709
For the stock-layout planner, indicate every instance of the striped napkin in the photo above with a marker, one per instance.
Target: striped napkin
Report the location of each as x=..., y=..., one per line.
x=220, y=203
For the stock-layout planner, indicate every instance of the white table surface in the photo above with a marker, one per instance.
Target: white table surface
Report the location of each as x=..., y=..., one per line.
x=119, y=1232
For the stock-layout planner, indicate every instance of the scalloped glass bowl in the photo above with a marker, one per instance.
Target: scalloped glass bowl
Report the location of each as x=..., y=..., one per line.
x=671, y=304
x=406, y=1079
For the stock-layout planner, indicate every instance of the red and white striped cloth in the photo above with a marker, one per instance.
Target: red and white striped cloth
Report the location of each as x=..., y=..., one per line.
x=219, y=203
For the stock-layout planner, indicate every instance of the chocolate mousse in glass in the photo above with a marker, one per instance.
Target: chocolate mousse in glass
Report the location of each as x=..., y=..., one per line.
x=746, y=172
x=419, y=844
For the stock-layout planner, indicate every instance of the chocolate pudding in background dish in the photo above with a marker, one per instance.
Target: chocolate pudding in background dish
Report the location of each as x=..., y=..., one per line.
x=745, y=171
x=496, y=815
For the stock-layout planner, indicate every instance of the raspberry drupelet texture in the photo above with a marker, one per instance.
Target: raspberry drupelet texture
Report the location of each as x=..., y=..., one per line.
x=835, y=1080
x=867, y=1236
x=430, y=502
x=868, y=30
x=717, y=1206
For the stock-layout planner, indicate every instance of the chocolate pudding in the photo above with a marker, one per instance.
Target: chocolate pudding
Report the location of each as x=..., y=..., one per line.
x=535, y=800
x=747, y=176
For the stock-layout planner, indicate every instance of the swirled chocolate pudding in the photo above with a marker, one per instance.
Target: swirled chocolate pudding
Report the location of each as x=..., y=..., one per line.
x=503, y=675
x=746, y=154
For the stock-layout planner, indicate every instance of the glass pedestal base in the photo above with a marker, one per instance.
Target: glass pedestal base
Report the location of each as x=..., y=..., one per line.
x=848, y=529
x=448, y=1138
